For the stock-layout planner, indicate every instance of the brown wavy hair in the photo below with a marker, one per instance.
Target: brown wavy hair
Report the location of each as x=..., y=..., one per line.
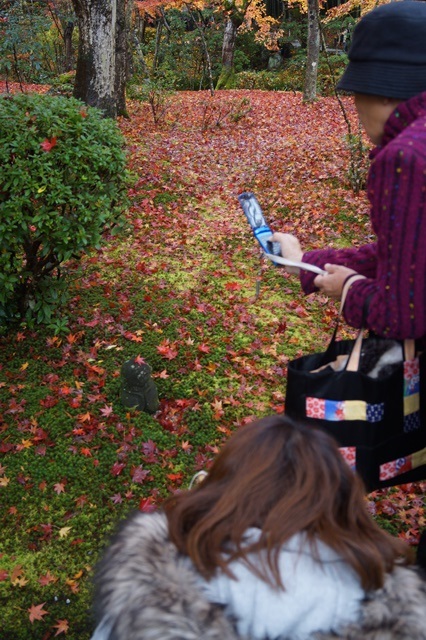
x=284, y=478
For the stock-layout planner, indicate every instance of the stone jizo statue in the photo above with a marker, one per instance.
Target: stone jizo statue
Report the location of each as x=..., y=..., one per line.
x=138, y=390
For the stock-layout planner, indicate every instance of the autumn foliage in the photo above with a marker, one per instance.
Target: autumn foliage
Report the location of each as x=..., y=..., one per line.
x=183, y=289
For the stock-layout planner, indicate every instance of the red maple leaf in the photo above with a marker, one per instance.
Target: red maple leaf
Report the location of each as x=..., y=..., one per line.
x=117, y=468
x=147, y=505
x=203, y=348
x=49, y=401
x=175, y=477
x=139, y=474
x=37, y=612
x=47, y=145
x=233, y=286
x=167, y=349
x=46, y=579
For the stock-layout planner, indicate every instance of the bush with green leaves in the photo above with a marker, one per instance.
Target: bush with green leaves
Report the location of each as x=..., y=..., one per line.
x=292, y=76
x=62, y=184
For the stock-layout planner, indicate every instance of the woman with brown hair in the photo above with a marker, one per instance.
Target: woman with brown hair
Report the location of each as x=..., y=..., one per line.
x=276, y=543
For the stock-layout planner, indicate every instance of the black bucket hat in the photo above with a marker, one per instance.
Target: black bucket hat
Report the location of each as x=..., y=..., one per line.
x=387, y=56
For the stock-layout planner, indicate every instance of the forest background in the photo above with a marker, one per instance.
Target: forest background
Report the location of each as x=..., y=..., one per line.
x=179, y=283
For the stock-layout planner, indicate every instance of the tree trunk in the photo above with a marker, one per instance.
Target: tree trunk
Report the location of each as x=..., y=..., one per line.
x=101, y=65
x=158, y=33
x=122, y=54
x=228, y=50
x=311, y=74
x=68, y=45
x=228, y=47
x=199, y=26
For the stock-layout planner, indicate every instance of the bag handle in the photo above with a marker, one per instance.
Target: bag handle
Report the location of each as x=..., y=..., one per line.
x=409, y=351
x=409, y=344
x=347, y=283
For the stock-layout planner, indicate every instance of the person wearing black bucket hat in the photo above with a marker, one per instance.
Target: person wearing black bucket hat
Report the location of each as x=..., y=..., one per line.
x=385, y=281
x=388, y=53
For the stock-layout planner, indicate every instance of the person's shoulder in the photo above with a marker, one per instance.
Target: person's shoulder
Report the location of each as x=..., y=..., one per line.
x=397, y=611
x=410, y=144
x=137, y=531
x=406, y=150
x=145, y=588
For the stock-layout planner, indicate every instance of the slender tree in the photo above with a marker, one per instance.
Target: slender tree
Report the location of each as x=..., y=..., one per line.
x=311, y=74
x=235, y=20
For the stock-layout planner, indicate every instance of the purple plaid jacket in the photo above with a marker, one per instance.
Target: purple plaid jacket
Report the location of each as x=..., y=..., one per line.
x=395, y=265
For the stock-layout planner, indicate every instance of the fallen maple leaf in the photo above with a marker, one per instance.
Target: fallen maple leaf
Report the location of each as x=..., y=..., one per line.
x=47, y=145
x=106, y=411
x=147, y=505
x=64, y=531
x=84, y=417
x=117, y=468
x=62, y=627
x=16, y=573
x=204, y=348
x=59, y=487
x=167, y=349
x=218, y=408
x=37, y=612
x=46, y=579
x=139, y=474
x=233, y=286
x=163, y=374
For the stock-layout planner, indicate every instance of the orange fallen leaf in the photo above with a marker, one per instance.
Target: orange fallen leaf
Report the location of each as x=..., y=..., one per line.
x=37, y=612
x=62, y=627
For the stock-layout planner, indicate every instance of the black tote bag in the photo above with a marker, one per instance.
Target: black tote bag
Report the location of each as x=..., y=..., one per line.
x=379, y=423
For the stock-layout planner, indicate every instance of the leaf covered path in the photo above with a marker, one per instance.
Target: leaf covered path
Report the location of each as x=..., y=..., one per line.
x=178, y=289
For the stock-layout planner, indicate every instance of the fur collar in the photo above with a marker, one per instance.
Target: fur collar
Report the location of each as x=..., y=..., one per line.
x=146, y=590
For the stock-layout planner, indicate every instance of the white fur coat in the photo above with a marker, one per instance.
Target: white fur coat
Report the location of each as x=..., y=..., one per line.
x=146, y=590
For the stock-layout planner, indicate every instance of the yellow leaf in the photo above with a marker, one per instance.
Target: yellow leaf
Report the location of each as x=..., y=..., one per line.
x=24, y=366
x=41, y=189
x=64, y=532
x=26, y=444
x=78, y=575
x=4, y=481
x=21, y=582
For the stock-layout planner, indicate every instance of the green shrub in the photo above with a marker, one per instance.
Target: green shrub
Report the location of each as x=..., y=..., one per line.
x=292, y=76
x=62, y=184
x=266, y=81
